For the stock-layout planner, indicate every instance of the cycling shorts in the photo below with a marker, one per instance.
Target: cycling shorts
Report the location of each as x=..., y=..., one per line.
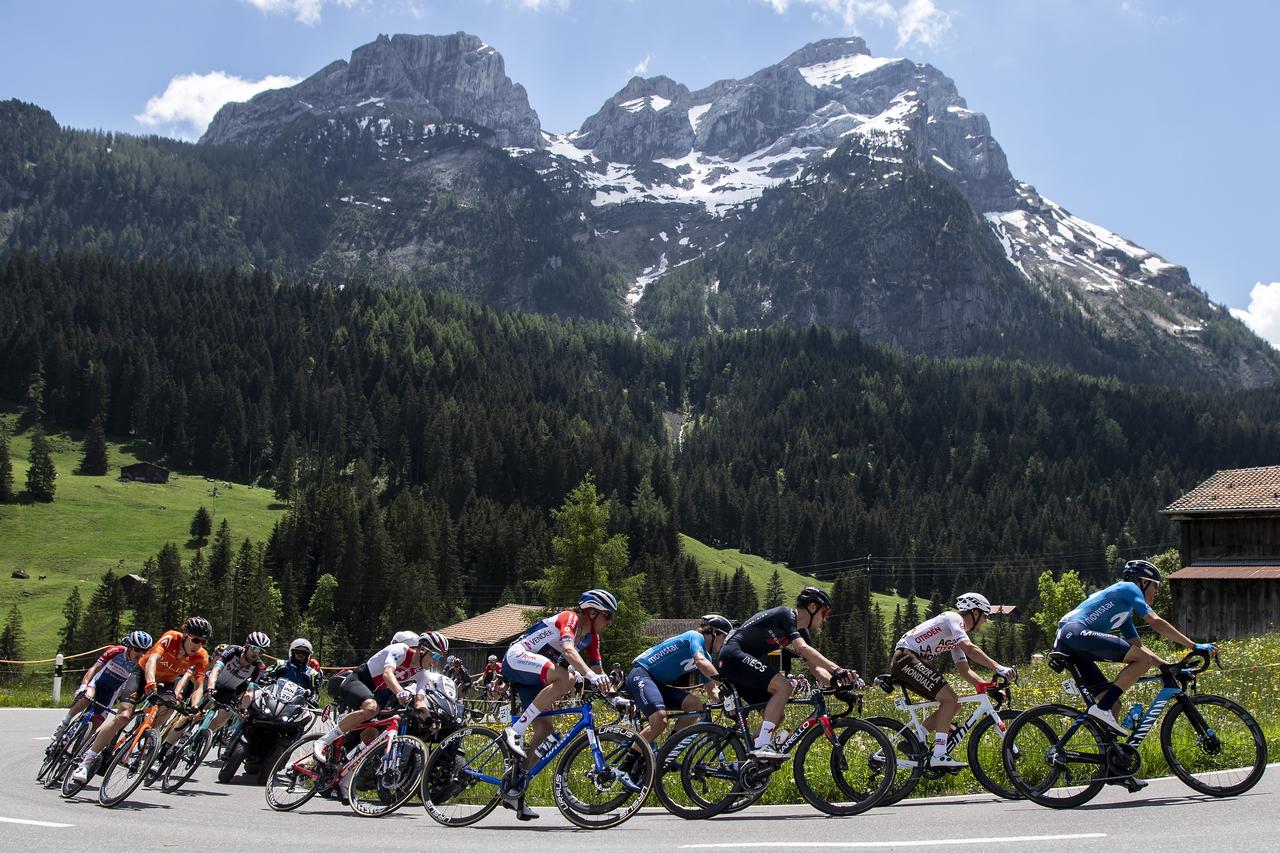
x=652, y=696
x=914, y=674
x=228, y=695
x=357, y=687
x=746, y=672
x=134, y=687
x=1085, y=645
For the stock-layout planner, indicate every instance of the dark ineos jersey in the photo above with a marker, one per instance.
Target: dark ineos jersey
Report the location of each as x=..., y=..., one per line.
x=767, y=631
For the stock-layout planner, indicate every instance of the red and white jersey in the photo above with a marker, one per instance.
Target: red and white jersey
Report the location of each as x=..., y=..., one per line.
x=547, y=637
x=942, y=633
x=397, y=655
x=115, y=662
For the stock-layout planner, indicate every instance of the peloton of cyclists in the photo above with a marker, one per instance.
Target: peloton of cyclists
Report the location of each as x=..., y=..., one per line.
x=743, y=655
x=946, y=632
x=103, y=680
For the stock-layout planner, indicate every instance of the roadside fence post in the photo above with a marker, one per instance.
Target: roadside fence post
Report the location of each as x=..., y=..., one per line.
x=57, y=679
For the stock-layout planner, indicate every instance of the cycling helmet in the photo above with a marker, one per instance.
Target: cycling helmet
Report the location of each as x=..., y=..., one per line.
x=139, y=640
x=434, y=641
x=813, y=595
x=219, y=649
x=1141, y=570
x=493, y=658
x=715, y=622
x=300, y=643
x=197, y=626
x=259, y=639
x=599, y=599
x=409, y=638
x=450, y=660
x=973, y=601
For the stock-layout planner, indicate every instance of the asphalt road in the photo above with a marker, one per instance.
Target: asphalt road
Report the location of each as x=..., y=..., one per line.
x=207, y=816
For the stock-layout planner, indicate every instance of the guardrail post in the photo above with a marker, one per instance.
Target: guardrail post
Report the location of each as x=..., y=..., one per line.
x=57, y=680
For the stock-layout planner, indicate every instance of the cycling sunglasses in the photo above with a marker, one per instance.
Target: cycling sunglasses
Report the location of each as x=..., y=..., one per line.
x=257, y=649
x=199, y=641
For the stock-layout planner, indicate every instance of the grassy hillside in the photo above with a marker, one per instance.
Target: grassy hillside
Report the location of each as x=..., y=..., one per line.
x=95, y=523
x=725, y=561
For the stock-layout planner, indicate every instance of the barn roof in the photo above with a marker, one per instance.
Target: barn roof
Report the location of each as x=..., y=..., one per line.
x=494, y=626
x=664, y=628
x=1237, y=570
x=1232, y=490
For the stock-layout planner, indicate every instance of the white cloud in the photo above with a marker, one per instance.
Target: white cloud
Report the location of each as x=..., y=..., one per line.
x=642, y=67
x=303, y=11
x=189, y=102
x=1263, y=313
x=538, y=5
x=919, y=21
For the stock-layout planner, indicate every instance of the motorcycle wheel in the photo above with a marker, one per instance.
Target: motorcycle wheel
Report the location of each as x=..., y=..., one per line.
x=231, y=763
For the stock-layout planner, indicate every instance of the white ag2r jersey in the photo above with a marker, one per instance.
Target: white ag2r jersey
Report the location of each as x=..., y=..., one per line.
x=942, y=633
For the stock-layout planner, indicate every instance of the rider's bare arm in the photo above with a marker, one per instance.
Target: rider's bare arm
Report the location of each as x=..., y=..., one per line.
x=818, y=662
x=982, y=658
x=212, y=679
x=93, y=671
x=574, y=658
x=1166, y=630
x=966, y=672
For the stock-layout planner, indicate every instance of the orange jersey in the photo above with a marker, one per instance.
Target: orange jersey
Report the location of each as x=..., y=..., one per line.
x=171, y=663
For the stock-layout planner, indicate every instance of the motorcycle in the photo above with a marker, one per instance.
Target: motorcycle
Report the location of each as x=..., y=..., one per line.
x=279, y=714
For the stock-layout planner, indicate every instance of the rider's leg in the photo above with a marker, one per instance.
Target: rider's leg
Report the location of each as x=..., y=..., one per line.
x=691, y=705
x=939, y=722
x=559, y=684
x=780, y=691
x=107, y=733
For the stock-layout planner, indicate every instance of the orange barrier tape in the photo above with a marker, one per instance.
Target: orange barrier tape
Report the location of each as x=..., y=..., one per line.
x=65, y=658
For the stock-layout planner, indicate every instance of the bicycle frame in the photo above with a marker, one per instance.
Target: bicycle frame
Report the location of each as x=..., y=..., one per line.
x=914, y=709
x=586, y=722
x=390, y=727
x=817, y=717
x=1154, y=711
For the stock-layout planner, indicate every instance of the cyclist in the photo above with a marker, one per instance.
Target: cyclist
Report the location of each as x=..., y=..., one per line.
x=456, y=670
x=742, y=660
x=491, y=675
x=537, y=663
x=1085, y=635
x=236, y=668
x=657, y=668
x=103, y=679
x=946, y=632
x=158, y=668
x=390, y=675
x=299, y=668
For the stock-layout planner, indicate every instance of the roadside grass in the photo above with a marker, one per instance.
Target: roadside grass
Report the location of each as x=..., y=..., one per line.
x=98, y=523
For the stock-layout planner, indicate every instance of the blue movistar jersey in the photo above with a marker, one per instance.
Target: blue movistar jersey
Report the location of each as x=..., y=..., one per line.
x=672, y=658
x=1111, y=609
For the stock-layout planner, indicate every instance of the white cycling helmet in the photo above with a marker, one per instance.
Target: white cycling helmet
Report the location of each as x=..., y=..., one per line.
x=409, y=638
x=492, y=658
x=973, y=601
x=434, y=641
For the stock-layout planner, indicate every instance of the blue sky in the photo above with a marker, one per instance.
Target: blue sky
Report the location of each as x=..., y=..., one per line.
x=1157, y=119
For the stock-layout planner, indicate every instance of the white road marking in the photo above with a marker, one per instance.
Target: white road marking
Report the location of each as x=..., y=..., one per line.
x=34, y=822
x=46, y=737
x=1010, y=839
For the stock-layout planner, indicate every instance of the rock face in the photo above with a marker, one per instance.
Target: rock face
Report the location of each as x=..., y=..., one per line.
x=427, y=78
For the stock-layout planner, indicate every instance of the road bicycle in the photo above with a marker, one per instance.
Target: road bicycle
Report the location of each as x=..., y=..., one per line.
x=472, y=769
x=189, y=752
x=71, y=742
x=835, y=766
x=374, y=778
x=135, y=751
x=984, y=730
x=1065, y=757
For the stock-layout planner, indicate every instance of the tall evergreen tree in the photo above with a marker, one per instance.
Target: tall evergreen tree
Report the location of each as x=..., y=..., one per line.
x=201, y=525
x=41, y=475
x=774, y=596
x=221, y=554
x=33, y=413
x=103, y=617
x=72, y=615
x=286, y=470
x=12, y=642
x=94, y=460
x=170, y=585
x=222, y=457
x=6, y=468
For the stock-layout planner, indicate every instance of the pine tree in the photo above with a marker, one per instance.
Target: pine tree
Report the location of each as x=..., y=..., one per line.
x=102, y=618
x=319, y=622
x=877, y=649
x=169, y=582
x=220, y=555
x=911, y=615
x=41, y=475
x=72, y=615
x=33, y=412
x=223, y=455
x=774, y=596
x=936, y=605
x=201, y=525
x=94, y=461
x=286, y=470
x=6, y=468
x=12, y=640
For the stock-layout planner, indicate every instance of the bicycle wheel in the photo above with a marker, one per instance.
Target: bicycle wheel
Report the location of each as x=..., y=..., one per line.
x=70, y=745
x=598, y=797
x=460, y=784
x=986, y=745
x=127, y=769
x=386, y=777
x=908, y=757
x=1213, y=745
x=844, y=774
x=296, y=776
x=698, y=769
x=186, y=756
x=53, y=754
x=1055, y=756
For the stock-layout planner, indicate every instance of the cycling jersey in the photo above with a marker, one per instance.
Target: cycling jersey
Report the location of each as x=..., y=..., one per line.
x=1111, y=609
x=767, y=631
x=114, y=663
x=236, y=671
x=932, y=637
x=491, y=671
x=547, y=637
x=171, y=663
x=673, y=657
x=397, y=655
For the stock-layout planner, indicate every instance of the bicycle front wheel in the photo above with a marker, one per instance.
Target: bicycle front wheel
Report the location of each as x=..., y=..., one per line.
x=460, y=784
x=1213, y=745
x=385, y=778
x=1055, y=757
x=986, y=745
x=844, y=773
x=907, y=758
x=127, y=770
x=296, y=776
x=697, y=771
x=595, y=793
x=187, y=756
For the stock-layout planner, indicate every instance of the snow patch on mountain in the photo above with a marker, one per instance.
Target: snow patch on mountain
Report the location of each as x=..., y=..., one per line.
x=830, y=73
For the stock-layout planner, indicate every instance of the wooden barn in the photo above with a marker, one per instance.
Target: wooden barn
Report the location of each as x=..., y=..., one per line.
x=474, y=639
x=1229, y=537
x=144, y=472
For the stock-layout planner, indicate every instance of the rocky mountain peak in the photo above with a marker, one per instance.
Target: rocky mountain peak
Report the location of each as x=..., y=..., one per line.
x=827, y=50
x=422, y=77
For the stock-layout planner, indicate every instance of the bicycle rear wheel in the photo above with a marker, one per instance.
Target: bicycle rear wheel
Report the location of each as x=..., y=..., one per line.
x=599, y=797
x=296, y=776
x=907, y=757
x=698, y=769
x=128, y=769
x=385, y=778
x=986, y=745
x=845, y=774
x=187, y=755
x=1213, y=745
x=1054, y=758
x=460, y=784
x=72, y=743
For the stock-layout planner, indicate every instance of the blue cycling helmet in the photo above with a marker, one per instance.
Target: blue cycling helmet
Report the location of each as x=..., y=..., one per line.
x=139, y=640
x=600, y=599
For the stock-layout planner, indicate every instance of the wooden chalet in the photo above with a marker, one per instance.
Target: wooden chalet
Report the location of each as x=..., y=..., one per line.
x=144, y=472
